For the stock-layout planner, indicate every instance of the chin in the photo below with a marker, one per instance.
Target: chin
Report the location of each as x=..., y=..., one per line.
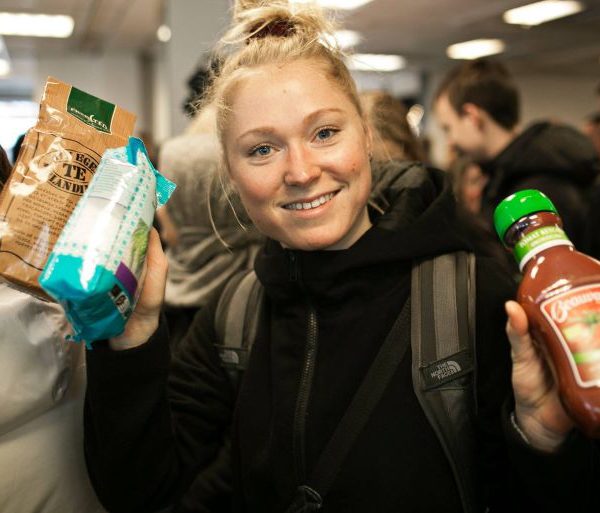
x=315, y=243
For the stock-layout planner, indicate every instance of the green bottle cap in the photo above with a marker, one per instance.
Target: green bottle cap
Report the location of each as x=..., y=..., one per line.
x=518, y=205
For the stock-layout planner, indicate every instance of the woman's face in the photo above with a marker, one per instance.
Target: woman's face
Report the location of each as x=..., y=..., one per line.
x=472, y=187
x=297, y=153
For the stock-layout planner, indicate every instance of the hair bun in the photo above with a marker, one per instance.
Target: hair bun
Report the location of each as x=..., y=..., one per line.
x=276, y=28
x=259, y=19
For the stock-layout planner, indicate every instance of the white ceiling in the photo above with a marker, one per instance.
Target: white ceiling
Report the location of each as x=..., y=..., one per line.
x=418, y=29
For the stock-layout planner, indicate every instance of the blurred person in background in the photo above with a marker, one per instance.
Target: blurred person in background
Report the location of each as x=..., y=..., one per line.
x=592, y=129
x=469, y=182
x=42, y=385
x=17, y=147
x=393, y=138
x=5, y=168
x=477, y=105
x=206, y=242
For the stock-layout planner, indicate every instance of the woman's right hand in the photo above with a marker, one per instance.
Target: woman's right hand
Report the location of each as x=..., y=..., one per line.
x=144, y=319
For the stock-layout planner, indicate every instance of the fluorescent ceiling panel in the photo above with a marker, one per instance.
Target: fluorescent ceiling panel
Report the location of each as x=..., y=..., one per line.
x=35, y=25
x=346, y=5
x=475, y=49
x=541, y=12
x=343, y=38
x=375, y=62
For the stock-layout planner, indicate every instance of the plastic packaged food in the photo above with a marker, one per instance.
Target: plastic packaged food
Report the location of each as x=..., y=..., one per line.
x=560, y=293
x=57, y=160
x=99, y=259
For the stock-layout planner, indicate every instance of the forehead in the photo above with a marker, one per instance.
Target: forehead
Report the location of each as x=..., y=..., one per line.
x=445, y=111
x=276, y=93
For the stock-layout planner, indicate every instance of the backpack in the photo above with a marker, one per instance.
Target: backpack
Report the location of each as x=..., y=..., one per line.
x=442, y=326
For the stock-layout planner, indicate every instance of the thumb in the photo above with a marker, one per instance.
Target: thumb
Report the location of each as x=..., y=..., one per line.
x=517, y=329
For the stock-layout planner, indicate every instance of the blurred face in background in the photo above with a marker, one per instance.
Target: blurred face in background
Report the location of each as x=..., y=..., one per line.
x=473, y=182
x=592, y=130
x=463, y=131
x=297, y=151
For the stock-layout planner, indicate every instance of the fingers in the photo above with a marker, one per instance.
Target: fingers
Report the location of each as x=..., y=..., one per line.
x=156, y=275
x=144, y=319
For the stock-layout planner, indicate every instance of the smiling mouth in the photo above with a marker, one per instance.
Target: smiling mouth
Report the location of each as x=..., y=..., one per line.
x=309, y=205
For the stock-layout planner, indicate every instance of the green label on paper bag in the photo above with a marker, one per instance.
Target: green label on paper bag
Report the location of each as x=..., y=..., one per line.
x=91, y=110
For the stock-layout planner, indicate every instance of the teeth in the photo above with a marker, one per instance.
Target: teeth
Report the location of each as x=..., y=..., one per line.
x=308, y=205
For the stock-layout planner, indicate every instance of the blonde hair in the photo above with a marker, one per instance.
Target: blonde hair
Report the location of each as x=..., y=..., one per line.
x=266, y=32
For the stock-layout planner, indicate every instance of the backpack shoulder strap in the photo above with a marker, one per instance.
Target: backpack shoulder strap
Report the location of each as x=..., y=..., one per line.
x=443, y=365
x=236, y=321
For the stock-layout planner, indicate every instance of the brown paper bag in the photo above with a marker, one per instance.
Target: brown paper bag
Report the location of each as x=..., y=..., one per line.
x=57, y=160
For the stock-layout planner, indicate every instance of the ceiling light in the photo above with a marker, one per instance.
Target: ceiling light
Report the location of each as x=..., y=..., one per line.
x=375, y=62
x=4, y=59
x=541, y=12
x=414, y=116
x=343, y=38
x=35, y=25
x=4, y=67
x=475, y=48
x=163, y=33
x=346, y=5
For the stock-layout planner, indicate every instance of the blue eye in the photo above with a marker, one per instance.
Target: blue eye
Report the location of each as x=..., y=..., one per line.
x=325, y=133
x=260, y=151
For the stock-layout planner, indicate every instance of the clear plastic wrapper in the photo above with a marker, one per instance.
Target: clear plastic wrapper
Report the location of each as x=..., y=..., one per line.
x=97, y=265
x=57, y=160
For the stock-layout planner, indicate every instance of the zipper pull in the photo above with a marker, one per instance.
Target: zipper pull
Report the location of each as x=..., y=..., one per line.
x=293, y=266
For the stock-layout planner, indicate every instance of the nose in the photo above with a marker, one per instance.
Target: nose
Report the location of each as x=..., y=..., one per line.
x=302, y=169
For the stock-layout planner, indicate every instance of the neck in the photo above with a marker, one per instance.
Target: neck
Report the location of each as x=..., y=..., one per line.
x=498, y=138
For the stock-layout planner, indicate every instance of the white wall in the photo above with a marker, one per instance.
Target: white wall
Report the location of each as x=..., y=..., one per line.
x=561, y=98
x=196, y=26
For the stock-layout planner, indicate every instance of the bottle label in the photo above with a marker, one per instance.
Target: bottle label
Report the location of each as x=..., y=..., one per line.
x=575, y=319
x=538, y=240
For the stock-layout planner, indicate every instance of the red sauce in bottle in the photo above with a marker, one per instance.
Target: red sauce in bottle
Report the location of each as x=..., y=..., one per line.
x=560, y=293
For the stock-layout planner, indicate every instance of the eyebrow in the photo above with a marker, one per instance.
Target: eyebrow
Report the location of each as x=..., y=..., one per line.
x=269, y=130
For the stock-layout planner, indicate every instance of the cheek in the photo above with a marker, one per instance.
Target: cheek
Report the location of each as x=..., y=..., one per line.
x=361, y=171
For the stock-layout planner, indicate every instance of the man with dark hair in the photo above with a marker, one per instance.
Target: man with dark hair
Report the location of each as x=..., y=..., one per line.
x=477, y=105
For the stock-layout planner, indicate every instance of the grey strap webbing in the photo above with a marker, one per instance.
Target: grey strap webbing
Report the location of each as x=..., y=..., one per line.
x=443, y=310
x=236, y=321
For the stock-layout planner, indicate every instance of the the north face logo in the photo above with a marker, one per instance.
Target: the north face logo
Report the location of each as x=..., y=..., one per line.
x=445, y=369
x=229, y=356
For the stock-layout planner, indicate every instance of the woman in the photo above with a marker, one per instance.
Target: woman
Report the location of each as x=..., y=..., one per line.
x=393, y=137
x=469, y=182
x=296, y=150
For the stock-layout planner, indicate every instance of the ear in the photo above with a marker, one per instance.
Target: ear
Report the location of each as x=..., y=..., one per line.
x=473, y=114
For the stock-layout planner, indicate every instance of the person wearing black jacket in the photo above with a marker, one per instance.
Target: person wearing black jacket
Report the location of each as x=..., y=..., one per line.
x=175, y=432
x=477, y=105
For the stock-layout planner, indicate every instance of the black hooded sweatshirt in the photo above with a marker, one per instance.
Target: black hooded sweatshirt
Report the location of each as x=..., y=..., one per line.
x=555, y=159
x=144, y=446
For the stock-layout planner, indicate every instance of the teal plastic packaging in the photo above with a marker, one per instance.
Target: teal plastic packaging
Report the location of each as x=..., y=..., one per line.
x=97, y=266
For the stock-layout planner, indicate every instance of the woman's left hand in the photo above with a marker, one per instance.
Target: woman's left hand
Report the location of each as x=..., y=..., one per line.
x=538, y=410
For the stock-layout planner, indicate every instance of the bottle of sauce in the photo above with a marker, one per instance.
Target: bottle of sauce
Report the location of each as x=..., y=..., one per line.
x=560, y=293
